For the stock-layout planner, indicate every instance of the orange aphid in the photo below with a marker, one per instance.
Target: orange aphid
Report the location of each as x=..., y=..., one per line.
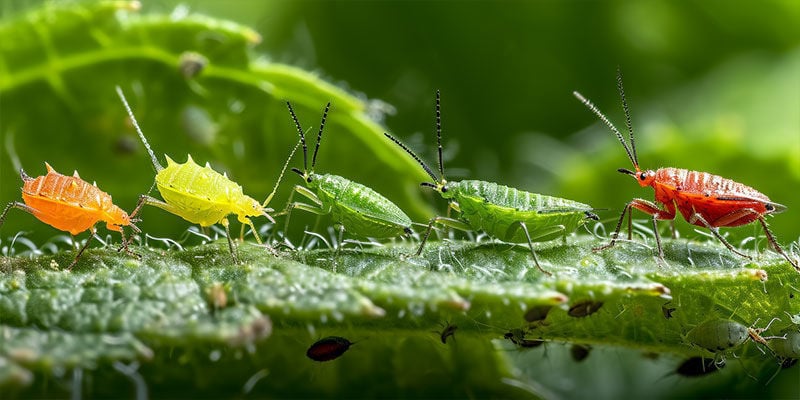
x=70, y=204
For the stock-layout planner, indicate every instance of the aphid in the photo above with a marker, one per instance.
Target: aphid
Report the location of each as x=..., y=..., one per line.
x=584, y=308
x=537, y=313
x=787, y=345
x=353, y=206
x=517, y=336
x=70, y=204
x=198, y=194
x=703, y=199
x=448, y=331
x=329, y=348
x=506, y=213
x=699, y=366
x=667, y=311
x=580, y=352
x=721, y=334
x=191, y=64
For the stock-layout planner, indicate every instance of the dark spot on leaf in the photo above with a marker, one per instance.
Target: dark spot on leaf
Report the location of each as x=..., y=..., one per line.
x=579, y=352
x=537, y=313
x=329, y=348
x=584, y=308
x=699, y=366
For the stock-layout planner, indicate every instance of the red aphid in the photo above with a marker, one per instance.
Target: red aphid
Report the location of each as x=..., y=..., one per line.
x=703, y=199
x=70, y=204
x=329, y=348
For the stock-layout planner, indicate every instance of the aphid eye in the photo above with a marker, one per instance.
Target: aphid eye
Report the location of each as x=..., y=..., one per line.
x=642, y=176
x=309, y=179
x=444, y=189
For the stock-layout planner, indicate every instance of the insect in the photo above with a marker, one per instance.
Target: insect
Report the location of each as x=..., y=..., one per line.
x=508, y=214
x=447, y=331
x=580, y=352
x=584, y=308
x=537, y=313
x=70, y=204
x=198, y=194
x=703, y=199
x=720, y=335
x=353, y=206
x=517, y=336
x=699, y=366
x=329, y=348
x=667, y=311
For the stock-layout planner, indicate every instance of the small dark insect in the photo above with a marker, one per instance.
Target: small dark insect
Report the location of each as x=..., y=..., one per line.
x=699, y=366
x=788, y=363
x=667, y=311
x=192, y=64
x=517, y=336
x=584, y=308
x=579, y=352
x=329, y=348
x=449, y=330
x=537, y=313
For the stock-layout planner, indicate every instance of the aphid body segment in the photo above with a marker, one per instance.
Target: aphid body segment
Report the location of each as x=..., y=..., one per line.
x=506, y=213
x=703, y=199
x=354, y=207
x=198, y=194
x=70, y=204
x=720, y=335
x=329, y=348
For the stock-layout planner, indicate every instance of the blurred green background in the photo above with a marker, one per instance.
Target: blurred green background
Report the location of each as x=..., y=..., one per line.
x=712, y=87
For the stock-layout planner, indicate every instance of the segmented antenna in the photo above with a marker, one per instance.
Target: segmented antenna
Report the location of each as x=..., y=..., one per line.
x=153, y=158
x=608, y=123
x=414, y=156
x=439, y=133
x=627, y=115
x=302, y=136
x=280, y=177
x=319, y=134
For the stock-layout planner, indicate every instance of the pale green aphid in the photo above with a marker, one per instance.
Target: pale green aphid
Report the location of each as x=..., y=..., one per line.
x=198, y=194
x=788, y=344
x=506, y=213
x=720, y=335
x=353, y=206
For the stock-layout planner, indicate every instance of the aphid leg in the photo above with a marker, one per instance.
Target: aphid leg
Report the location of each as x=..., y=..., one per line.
x=775, y=244
x=530, y=246
x=18, y=205
x=92, y=233
x=647, y=207
x=748, y=212
x=231, y=247
x=315, y=209
x=449, y=222
x=696, y=217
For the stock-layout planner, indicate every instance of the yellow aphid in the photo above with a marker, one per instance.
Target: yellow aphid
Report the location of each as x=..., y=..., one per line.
x=199, y=194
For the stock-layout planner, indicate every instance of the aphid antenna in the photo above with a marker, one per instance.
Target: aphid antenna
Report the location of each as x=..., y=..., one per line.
x=627, y=111
x=319, y=135
x=439, y=134
x=602, y=117
x=280, y=177
x=419, y=161
x=12, y=152
x=302, y=140
x=153, y=158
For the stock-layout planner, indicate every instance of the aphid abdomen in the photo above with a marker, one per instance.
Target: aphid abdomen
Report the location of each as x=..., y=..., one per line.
x=713, y=197
x=498, y=209
x=361, y=210
x=64, y=202
x=199, y=194
x=718, y=335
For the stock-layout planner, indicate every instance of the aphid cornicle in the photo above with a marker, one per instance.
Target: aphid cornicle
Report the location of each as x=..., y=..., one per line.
x=703, y=199
x=70, y=204
x=354, y=207
x=506, y=213
x=198, y=194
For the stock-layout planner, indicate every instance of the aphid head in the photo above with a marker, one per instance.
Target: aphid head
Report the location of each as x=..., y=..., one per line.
x=308, y=174
x=642, y=177
x=645, y=178
x=438, y=184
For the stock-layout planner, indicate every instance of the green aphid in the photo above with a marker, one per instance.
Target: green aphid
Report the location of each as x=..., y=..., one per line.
x=354, y=207
x=506, y=213
x=721, y=335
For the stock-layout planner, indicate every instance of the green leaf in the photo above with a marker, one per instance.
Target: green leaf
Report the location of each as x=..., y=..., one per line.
x=179, y=309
